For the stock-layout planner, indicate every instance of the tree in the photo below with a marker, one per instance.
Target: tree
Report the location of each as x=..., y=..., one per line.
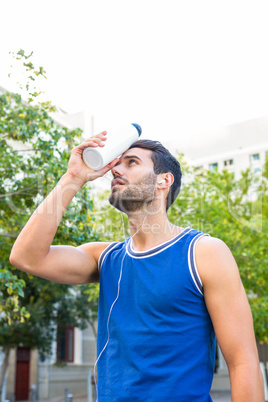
x=10, y=310
x=34, y=154
x=11, y=289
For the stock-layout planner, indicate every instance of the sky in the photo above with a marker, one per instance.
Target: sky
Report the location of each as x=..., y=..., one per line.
x=175, y=67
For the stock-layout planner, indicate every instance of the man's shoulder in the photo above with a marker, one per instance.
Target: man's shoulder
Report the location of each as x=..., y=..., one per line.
x=210, y=244
x=214, y=258
x=95, y=249
x=212, y=248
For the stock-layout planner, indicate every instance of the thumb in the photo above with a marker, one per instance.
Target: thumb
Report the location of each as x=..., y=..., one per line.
x=108, y=167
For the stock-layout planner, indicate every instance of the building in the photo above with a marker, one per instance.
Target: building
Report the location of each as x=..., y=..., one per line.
x=69, y=367
x=235, y=147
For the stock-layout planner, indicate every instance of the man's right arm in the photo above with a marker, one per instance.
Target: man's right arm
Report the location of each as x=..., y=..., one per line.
x=33, y=252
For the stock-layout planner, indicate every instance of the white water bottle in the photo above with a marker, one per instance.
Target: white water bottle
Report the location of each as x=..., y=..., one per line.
x=118, y=141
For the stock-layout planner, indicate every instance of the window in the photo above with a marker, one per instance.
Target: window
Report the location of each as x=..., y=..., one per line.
x=213, y=166
x=65, y=344
x=229, y=162
x=255, y=162
x=255, y=157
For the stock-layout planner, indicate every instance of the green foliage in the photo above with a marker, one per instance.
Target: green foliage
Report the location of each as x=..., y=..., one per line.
x=49, y=305
x=34, y=154
x=11, y=290
x=111, y=225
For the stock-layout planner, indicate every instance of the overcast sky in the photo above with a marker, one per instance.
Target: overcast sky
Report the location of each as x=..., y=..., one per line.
x=175, y=67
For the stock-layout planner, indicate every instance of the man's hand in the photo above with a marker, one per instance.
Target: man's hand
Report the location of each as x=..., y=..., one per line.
x=33, y=252
x=78, y=170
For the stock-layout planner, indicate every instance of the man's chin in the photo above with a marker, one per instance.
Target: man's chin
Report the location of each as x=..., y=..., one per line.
x=133, y=198
x=114, y=200
x=126, y=206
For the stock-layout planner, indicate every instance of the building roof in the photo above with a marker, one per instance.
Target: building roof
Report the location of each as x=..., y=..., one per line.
x=226, y=140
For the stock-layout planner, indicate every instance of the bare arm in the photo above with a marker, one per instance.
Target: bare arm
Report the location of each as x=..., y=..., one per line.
x=228, y=307
x=33, y=252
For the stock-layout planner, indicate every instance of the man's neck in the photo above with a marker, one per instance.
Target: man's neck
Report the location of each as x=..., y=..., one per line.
x=148, y=231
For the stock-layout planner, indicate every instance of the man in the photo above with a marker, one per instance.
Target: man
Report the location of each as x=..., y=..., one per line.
x=163, y=292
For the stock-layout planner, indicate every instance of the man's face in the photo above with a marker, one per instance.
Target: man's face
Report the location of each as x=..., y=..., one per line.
x=132, y=188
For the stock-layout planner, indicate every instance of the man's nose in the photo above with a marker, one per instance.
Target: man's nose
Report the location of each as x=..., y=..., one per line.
x=117, y=170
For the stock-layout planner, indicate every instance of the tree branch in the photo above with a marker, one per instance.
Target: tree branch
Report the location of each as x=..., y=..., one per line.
x=8, y=235
x=22, y=191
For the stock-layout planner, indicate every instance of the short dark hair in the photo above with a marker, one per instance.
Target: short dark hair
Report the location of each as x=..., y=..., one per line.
x=164, y=162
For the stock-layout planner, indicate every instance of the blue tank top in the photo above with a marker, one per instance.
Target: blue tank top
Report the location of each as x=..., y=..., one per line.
x=161, y=340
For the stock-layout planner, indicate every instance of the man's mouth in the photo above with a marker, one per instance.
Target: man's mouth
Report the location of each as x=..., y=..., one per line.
x=117, y=182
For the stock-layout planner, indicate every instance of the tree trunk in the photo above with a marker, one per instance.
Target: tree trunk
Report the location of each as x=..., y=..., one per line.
x=91, y=323
x=3, y=377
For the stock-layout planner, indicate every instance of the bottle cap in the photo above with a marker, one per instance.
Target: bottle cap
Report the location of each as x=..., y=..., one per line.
x=138, y=127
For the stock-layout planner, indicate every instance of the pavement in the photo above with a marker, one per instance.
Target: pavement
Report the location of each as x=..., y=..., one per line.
x=221, y=396
x=217, y=396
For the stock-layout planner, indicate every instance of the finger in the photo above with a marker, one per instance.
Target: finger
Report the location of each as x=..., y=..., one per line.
x=101, y=136
x=98, y=141
x=108, y=167
x=84, y=145
x=95, y=139
x=91, y=142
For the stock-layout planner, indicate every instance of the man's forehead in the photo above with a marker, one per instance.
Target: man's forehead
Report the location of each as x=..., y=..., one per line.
x=143, y=154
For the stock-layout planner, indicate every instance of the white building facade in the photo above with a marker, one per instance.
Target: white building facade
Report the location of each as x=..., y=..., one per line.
x=236, y=147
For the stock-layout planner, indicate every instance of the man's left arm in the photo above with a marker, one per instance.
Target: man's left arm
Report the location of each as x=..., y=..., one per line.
x=230, y=313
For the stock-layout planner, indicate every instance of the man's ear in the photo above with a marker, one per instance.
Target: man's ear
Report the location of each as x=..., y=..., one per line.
x=165, y=180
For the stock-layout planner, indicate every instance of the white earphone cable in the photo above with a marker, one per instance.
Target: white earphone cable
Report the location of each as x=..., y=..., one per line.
x=117, y=296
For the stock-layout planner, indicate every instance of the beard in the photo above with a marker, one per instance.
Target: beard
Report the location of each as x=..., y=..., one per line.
x=135, y=197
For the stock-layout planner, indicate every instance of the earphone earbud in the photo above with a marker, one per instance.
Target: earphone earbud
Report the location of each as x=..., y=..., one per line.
x=161, y=181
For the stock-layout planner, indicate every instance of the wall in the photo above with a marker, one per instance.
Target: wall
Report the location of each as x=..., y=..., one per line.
x=53, y=380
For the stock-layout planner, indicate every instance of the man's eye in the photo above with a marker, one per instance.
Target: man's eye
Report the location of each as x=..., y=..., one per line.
x=132, y=161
